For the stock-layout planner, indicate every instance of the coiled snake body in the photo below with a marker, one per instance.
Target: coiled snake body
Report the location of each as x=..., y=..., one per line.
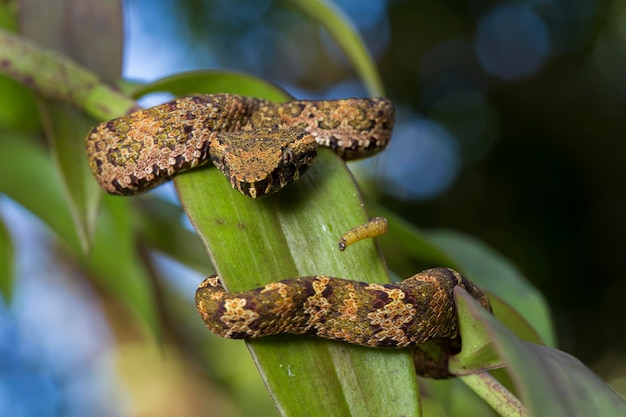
x=405, y=314
x=260, y=146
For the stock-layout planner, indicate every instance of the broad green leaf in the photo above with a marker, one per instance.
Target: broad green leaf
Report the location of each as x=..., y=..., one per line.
x=212, y=82
x=477, y=352
x=477, y=355
x=295, y=233
x=550, y=382
x=347, y=38
x=6, y=263
x=491, y=270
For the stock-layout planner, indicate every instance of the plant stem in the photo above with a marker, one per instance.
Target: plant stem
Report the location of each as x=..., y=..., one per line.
x=495, y=394
x=347, y=38
x=54, y=76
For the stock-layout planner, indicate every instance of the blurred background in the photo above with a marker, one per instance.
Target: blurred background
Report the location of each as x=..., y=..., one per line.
x=510, y=115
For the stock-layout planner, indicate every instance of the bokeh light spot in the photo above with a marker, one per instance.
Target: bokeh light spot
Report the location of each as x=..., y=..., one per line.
x=512, y=42
x=421, y=162
x=471, y=118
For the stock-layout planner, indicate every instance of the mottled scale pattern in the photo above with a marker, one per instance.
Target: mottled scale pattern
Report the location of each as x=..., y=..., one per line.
x=404, y=314
x=260, y=146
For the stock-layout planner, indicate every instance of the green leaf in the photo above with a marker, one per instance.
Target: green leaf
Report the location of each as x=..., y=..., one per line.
x=477, y=356
x=452, y=398
x=492, y=271
x=115, y=262
x=160, y=227
x=66, y=129
x=18, y=109
x=513, y=320
x=6, y=263
x=28, y=176
x=347, y=38
x=481, y=264
x=404, y=244
x=213, y=82
x=477, y=352
x=114, y=258
x=478, y=262
x=295, y=233
x=550, y=382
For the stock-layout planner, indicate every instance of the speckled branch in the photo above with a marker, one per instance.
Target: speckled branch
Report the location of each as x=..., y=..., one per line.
x=55, y=76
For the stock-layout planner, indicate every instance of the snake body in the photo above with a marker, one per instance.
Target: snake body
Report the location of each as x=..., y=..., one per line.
x=260, y=146
x=404, y=314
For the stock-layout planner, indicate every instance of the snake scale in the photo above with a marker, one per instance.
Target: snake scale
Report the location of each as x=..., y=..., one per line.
x=261, y=147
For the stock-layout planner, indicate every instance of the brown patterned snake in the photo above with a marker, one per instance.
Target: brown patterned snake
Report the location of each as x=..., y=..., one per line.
x=260, y=146
x=405, y=314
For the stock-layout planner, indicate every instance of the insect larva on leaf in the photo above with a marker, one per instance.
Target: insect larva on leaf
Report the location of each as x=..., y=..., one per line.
x=376, y=226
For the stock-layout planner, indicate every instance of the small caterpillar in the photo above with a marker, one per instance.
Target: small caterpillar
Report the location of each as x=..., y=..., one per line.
x=376, y=226
x=404, y=314
x=260, y=146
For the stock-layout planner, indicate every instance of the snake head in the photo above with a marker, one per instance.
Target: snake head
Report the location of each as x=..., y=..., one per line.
x=260, y=162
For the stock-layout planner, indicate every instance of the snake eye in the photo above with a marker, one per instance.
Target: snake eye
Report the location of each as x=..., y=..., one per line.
x=288, y=156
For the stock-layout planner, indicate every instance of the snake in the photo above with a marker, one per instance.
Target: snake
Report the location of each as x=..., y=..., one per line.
x=260, y=146
x=408, y=313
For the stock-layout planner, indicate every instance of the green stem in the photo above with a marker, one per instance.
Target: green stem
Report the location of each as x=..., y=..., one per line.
x=346, y=36
x=54, y=76
x=495, y=394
